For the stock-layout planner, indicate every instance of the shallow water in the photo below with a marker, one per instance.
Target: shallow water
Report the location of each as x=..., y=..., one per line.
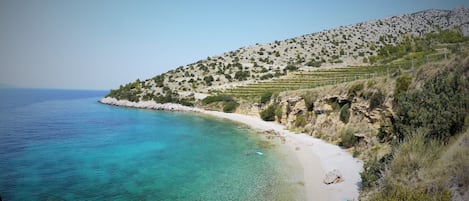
x=63, y=145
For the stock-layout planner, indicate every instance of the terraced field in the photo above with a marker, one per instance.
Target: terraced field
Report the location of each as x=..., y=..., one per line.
x=311, y=79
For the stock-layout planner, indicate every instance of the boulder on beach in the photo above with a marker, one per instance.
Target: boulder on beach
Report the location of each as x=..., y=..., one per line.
x=333, y=177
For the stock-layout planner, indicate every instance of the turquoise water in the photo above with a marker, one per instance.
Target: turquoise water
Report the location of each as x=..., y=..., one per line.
x=63, y=145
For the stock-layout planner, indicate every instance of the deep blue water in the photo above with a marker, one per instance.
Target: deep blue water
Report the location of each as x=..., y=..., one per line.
x=64, y=145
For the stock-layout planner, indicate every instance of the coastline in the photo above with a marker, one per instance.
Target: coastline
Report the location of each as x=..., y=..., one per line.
x=316, y=156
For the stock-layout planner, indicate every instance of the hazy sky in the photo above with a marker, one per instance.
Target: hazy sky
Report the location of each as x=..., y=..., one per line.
x=97, y=44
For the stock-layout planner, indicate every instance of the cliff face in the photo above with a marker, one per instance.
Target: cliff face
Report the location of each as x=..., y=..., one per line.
x=360, y=108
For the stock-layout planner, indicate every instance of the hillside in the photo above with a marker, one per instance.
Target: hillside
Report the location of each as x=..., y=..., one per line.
x=352, y=45
x=392, y=92
x=408, y=127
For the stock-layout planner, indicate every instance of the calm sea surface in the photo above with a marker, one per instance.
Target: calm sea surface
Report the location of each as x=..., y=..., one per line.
x=64, y=145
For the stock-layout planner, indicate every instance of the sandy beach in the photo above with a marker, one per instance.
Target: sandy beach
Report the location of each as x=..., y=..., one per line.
x=316, y=156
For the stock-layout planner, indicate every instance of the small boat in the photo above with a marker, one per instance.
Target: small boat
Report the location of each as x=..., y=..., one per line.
x=259, y=153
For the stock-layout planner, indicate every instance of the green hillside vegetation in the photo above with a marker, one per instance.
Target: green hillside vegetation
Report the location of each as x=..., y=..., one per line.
x=418, y=48
x=229, y=105
x=430, y=134
x=129, y=92
x=411, y=53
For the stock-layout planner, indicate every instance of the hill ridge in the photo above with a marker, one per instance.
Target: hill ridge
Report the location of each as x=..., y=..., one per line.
x=344, y=46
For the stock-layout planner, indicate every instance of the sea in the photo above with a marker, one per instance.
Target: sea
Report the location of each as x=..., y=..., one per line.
x=65, y=145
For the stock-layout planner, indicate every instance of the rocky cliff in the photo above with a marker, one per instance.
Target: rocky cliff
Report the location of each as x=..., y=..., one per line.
x=358, y=108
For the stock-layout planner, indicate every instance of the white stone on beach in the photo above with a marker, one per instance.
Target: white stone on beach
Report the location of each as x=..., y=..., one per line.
x=333, y=177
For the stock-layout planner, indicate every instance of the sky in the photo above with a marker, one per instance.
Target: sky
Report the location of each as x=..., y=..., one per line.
x=101, y=44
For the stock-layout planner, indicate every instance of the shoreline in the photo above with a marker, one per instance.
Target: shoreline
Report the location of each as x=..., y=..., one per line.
x=316, y=156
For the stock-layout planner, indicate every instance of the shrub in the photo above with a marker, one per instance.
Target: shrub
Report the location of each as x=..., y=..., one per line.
x=439, y=108
x=376, y=99
x=402, y=84
x=278, y=112
x=384, y=133
x=228, y=77
x=348, y=138
x=399, y=192
x=269, y=113
x=309, y=102
x=265, y=97
x=277, y=54
x=216, y=98
x=128, y=92
x=314, y=63
x=447, y=36
x=267, y=76
x=241, y=75
x=291, y=67
x=335, y=106
x=230, y=106
x=300, y=121
x=187, y=101
x=404, y=172
x=208, y=80
x=466, y=121
x=355, y=152
x=355, y=89
x=365, y=60
x=344, y=114
x=413, y=154
x=159, y=80
x=170, y=97
x=370, y=83
x=372, y=171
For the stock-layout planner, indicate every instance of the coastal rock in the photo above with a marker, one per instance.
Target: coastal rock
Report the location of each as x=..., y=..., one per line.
x=292, y=100
x=341, y=99
x=362, y=107
x=299, y=108
x=333, y=177
x=322, y=108
x=149, y=105
x=284, y=106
